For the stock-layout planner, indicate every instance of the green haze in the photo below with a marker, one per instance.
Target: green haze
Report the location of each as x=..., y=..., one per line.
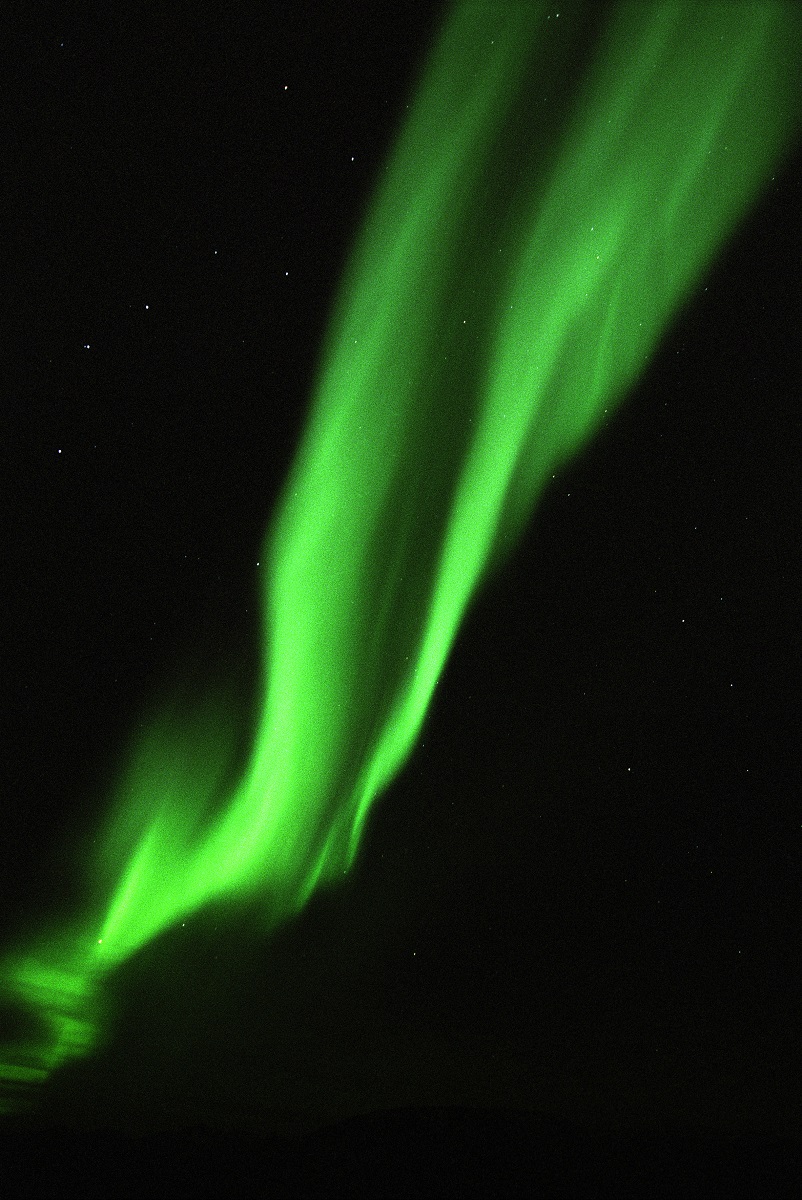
x=558, y=188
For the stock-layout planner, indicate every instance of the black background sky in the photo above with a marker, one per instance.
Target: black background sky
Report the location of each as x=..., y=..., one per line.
x=581, y=897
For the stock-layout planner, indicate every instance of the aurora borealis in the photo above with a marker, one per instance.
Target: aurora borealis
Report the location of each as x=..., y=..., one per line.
x=465, y=362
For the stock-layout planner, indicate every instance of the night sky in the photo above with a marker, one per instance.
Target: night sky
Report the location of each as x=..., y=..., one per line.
x=581, y=897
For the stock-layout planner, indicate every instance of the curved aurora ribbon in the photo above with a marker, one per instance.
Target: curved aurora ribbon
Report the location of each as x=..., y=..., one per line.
x=525, y=252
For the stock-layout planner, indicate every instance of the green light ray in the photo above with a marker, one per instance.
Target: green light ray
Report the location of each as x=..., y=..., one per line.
x=512, y=280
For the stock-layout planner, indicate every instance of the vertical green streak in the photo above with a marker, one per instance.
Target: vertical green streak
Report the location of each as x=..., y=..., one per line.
x=524, y=254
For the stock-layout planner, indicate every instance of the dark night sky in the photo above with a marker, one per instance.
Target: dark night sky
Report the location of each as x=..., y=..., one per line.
x=582, y=895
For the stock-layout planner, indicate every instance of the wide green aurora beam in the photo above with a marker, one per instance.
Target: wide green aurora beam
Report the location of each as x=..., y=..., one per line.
x=525, y=252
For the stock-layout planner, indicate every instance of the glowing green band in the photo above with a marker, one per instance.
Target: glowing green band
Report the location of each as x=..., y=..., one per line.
x=513, y=278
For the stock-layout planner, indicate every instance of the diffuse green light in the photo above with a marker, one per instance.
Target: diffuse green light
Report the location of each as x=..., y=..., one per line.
x=513, y=278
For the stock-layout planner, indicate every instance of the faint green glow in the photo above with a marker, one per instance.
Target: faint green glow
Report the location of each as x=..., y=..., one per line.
x=527, y=248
